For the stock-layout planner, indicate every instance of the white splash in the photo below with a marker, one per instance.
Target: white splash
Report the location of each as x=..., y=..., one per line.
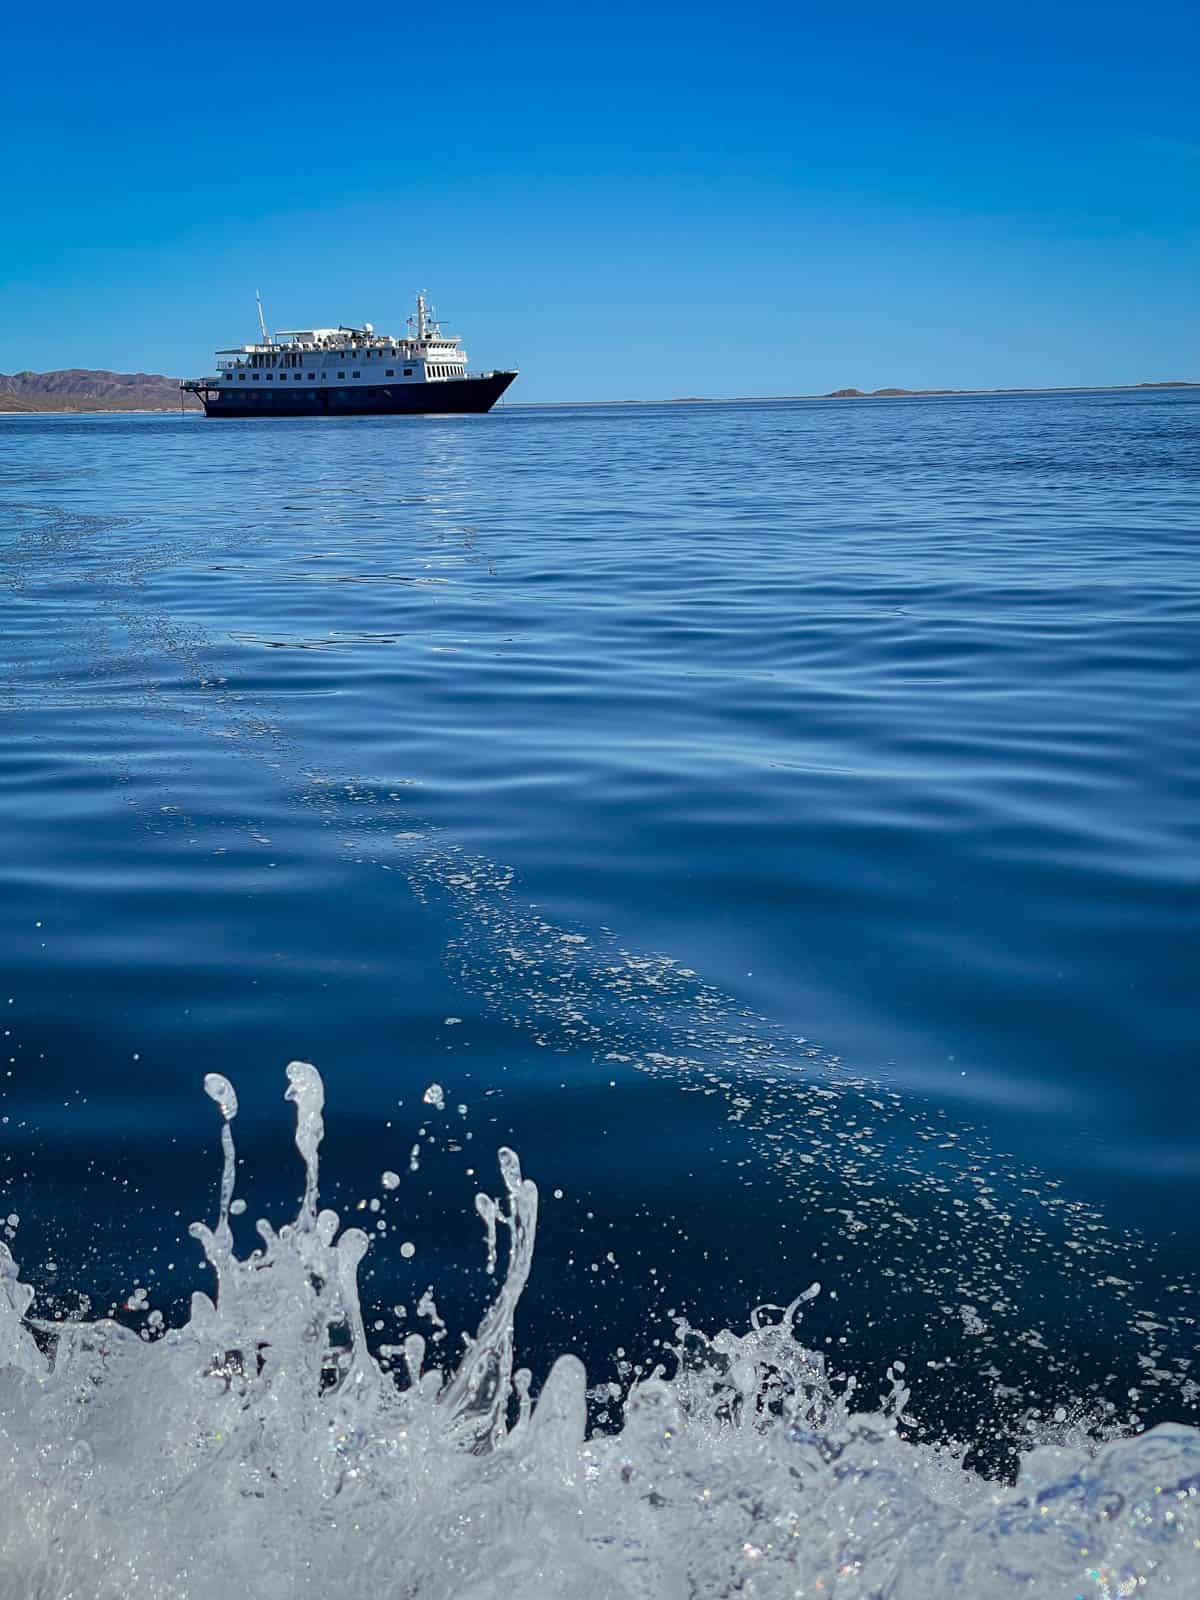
x=262, y=1450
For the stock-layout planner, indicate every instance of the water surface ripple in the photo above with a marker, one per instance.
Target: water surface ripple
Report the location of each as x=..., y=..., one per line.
x=778, y=821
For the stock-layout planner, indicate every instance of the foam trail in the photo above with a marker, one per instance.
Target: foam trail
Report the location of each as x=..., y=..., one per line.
x=262, y=1449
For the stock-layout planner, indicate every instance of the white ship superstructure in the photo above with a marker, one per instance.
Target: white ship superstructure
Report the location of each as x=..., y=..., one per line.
x=349, y=371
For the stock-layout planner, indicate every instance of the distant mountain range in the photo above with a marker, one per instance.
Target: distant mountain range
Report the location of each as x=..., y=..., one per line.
x=77, y=389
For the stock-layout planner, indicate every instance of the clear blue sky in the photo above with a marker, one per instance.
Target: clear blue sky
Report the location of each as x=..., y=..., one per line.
x=623, y=200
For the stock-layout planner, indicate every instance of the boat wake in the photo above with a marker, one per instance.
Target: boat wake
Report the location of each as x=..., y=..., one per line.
x=264, y=1448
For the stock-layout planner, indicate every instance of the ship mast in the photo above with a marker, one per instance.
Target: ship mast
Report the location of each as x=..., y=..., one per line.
x=261, y=319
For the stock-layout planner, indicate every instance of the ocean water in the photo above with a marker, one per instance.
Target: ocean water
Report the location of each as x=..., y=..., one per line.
x=776, y=823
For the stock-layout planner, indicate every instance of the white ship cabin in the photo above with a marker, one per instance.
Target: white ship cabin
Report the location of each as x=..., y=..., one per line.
x=346, y=356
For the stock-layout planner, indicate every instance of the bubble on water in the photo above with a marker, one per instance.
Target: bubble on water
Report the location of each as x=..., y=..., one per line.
x=390, y=1180
x=408, y=1249
x=435, y=1096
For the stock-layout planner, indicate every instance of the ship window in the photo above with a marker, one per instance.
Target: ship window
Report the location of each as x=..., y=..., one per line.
x=312, y=377
x=241, y=377
x=270, y=375
x=255, y=375
x=357, y=374
x=408, y=372
x=390, y=372
x=341, y=374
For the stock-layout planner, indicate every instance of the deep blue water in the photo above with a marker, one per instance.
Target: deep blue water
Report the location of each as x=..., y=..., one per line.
x=796, y=805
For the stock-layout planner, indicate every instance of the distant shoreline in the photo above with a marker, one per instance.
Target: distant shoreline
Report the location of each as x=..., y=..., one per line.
x=100, y=411
x=30, y=408
x=869, y=394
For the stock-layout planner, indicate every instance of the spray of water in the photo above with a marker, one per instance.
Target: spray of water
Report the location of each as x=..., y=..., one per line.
x=262, y=1449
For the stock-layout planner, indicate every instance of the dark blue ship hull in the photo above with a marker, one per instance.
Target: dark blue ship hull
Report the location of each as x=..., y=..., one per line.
x=451, y=395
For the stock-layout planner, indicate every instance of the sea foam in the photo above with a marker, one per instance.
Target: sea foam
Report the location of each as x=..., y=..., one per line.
x=264, y=1450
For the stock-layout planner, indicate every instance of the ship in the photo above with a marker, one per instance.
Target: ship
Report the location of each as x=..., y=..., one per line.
x=348, y=372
